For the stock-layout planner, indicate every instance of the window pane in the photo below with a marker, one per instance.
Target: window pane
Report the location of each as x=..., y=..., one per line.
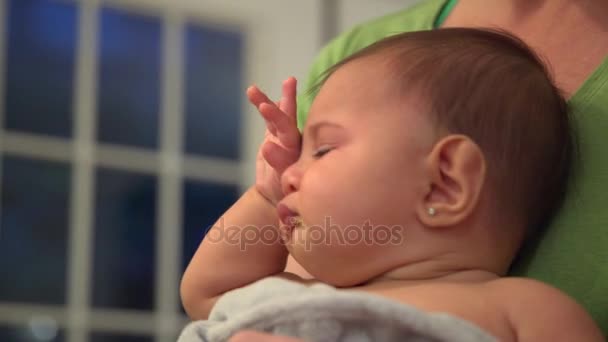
x=204, y=203
x=125, y=240
x=129, y=79
x=214, y=91
x=109, y=337
x=38, y=330
x=34, y=231
x=40, y=66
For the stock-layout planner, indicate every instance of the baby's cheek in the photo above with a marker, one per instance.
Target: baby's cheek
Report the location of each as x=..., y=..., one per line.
x=336, y=190
x=319, y=186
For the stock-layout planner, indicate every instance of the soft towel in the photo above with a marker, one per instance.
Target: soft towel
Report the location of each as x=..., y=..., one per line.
x=322, y=313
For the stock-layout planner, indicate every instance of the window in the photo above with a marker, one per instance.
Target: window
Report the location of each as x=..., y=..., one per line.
x=124, y=241
x=40, y=54
x=33, y=244
x=129, y=79
x=202, y=202
x=120, y=145
x=212, y=108
x=37, y=330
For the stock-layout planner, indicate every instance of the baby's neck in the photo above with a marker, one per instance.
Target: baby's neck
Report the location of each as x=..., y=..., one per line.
x=432, y=271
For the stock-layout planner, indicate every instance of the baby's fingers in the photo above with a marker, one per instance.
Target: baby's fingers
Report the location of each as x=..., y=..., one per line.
x=288, y=98
x=257, y=97
x=278, y=157
x=286, y=129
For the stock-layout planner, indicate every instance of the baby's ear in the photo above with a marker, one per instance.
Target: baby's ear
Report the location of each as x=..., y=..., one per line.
x=457, y=170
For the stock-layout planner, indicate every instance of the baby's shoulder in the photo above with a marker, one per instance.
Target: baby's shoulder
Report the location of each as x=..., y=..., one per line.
x=526, y=294
x=539, y=312
x=472, y=302
x=512, y=309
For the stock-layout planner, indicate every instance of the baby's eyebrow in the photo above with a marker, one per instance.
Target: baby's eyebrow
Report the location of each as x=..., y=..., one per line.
x=311, y=131
x=313, y=128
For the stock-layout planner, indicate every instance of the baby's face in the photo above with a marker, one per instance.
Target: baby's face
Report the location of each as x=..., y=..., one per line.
x=359, y=176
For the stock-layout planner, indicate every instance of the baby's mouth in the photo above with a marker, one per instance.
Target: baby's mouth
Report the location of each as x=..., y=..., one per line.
x=296, y=222
x=288, y=217
x=289, y=229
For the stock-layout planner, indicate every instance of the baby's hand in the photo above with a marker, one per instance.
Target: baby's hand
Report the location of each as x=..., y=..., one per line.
x=281, y=145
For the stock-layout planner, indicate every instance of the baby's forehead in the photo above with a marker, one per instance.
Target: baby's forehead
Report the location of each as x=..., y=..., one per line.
x=399, y=122
x=359, y=82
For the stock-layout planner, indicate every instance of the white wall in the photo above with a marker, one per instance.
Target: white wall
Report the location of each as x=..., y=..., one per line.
x=352, y=12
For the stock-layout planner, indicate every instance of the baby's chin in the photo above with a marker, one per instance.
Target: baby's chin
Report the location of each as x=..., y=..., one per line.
x=337, y=279
x=315, y=259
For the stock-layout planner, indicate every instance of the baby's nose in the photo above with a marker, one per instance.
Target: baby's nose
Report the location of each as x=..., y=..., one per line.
x=290, y=180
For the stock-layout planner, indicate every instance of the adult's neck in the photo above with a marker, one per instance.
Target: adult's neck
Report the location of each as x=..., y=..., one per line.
x=516, y=12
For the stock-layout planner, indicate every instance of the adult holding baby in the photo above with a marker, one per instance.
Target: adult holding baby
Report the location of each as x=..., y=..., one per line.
x=572, y=37
x=559, y=31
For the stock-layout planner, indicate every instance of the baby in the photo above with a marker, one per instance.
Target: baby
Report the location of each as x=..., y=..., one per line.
x=427, y=160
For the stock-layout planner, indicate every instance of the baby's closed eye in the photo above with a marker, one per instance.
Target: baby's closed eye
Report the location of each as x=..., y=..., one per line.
x=321, y=151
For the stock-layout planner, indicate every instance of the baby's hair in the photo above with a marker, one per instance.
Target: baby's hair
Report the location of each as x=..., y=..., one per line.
x=490, y=86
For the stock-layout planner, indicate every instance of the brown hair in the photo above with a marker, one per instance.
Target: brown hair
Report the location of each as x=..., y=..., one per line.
x=490, y=86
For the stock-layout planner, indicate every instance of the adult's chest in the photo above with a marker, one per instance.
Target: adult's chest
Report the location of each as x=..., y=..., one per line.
x=571, y=40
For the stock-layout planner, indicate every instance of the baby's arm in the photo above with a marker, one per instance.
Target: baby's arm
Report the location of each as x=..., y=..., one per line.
x=539, y=312
x=244, y=245
x=232, y=254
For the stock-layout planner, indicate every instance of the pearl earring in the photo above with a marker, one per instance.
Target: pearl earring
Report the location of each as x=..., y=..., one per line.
x=432, y=211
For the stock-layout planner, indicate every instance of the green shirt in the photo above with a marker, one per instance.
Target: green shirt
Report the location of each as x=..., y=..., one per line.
x=573, y=253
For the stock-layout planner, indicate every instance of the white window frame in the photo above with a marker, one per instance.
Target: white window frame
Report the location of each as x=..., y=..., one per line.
x=281, y=39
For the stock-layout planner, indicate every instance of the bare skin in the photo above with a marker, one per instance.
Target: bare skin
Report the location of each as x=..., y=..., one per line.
x=570, y=35
x=504, y=307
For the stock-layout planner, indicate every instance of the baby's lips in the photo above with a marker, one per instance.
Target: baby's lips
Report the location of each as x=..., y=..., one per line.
x=286, y=215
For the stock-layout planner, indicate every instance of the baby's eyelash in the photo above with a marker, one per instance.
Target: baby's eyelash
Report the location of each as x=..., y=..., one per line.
x=321, y=151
